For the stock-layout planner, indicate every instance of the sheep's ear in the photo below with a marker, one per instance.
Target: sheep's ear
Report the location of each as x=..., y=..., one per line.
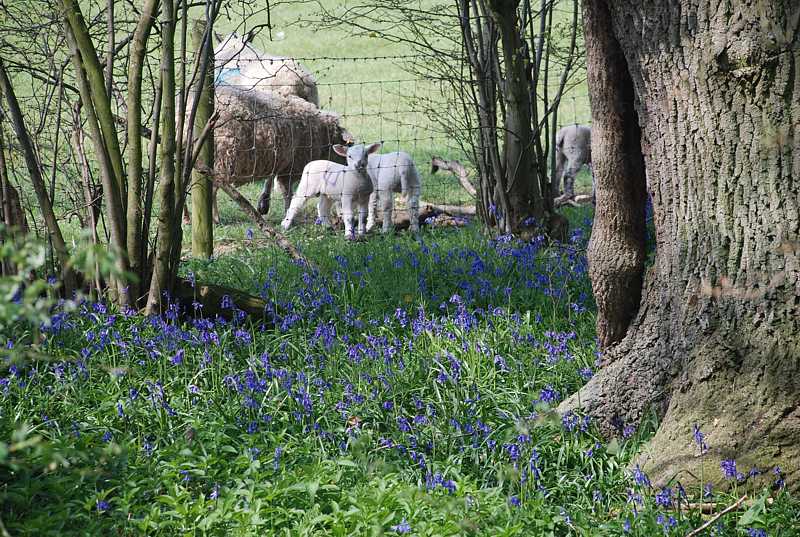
x=374, y=147
x=340, y=150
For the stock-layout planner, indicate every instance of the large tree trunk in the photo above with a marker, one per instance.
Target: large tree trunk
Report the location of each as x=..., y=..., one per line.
x=716, y=341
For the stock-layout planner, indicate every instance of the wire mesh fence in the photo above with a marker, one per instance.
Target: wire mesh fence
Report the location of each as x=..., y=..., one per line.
x=277, y=117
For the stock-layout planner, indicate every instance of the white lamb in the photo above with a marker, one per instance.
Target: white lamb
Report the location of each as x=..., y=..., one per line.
x=390, y=173
x=332, y=182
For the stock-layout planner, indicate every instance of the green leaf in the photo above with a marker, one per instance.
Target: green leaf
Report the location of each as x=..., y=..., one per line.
x=754, y=514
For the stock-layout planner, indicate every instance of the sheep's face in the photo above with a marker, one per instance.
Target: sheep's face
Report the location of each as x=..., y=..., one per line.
x=357, y=155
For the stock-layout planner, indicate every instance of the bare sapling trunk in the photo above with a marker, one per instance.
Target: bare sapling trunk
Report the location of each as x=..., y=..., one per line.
x=54, y=231
x=136, y=243
x=715, y=341
x=162, y=262
x=202, y=223
x=115, y=216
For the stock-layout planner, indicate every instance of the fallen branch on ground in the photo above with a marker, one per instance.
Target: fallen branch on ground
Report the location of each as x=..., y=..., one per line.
x=458, y=169
x=265, y=228
x=716, y=517
x=577, y=201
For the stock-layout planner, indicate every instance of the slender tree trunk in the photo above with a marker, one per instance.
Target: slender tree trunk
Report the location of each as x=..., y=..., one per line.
x=53, y=229
x=520, y=184
x=159, y=281
x=202, y=223
x=716, y=341
x=135, y=241
x=100, y=99
x=111, y=195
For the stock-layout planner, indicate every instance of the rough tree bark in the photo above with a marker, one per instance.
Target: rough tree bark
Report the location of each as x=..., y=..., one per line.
x=617, y=246
x=716, y=341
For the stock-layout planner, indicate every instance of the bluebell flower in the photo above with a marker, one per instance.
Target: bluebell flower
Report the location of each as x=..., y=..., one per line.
x=403, y=527
x=664, y=497
x=699, y=439
x=514, y=500
x=756, y=532
x=102, y=506
x=640, y=478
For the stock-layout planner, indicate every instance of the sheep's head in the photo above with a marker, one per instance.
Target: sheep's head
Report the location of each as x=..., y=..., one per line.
x=357, y=155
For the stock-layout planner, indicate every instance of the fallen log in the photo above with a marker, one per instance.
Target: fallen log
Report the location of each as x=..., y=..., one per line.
x=458, y=169
x=445, y=214
x=208, y=300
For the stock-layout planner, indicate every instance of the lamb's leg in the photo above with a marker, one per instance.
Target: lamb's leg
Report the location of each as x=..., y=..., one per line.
x=387, y=206
x=362, y=214
x=297, y=203
x=373, y=209
x=412, y=201
x=214, y=208
x=324, y=210
x=264, y=198
x=347, y=215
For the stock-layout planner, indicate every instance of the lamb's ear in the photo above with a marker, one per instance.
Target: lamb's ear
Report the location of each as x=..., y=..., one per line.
x=374, y=147
x=340, y=150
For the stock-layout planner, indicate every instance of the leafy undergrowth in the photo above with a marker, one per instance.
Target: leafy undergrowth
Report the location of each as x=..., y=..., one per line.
x=406, y=387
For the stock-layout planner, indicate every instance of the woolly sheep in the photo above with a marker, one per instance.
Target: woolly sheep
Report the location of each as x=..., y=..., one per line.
x=390, y=173
x=237, y=63
x=333, y=182
x=261, y=135
x=573, y=150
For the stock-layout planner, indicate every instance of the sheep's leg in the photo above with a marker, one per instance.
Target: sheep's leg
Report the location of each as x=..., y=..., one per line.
x=561, y=159
x=285, y=186
x=324, y=210
x=264, y=198
x=569, y=179
x=387, y=206
x=412, y=200
x=373, y=209
x=347, y=215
